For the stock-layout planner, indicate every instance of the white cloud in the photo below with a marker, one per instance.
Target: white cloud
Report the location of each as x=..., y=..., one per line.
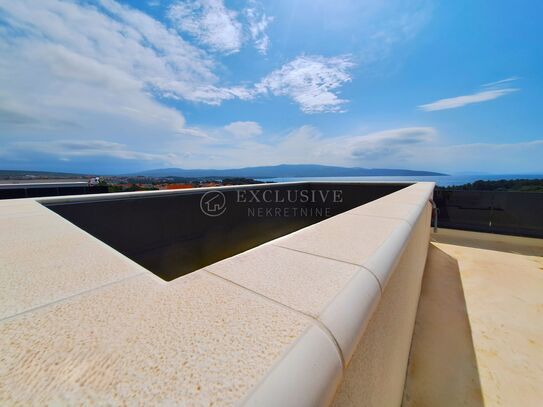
x=386, y=144
x=407, y=147
x=244, y=129
x=306, y=145
x=411, y=148
x=258, y=23
x=501, y=82
x=459, y=101
x=69, y=149
x=215, y=26
x=310, y=81
x=82, y=69
x=210, y=22
x=97, y=68
x=111, y=50
x=84, y=72
x=493, y=90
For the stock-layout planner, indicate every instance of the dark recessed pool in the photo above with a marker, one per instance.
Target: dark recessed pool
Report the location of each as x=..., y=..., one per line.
x=174, y=234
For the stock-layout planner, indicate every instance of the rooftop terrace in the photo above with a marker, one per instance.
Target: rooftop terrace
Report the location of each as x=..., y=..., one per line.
x=144, y=299
x=478, y=339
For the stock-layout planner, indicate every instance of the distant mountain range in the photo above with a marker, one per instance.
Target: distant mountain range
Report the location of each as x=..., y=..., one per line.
x=283, y=171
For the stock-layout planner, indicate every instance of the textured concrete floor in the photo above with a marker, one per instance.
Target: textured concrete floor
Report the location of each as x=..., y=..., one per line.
x=478, y=337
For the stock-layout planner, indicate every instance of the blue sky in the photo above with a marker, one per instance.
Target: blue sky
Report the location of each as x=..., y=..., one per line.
x=117, y=86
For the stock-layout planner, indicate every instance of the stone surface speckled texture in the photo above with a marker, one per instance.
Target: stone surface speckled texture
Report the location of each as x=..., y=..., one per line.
x=345, y=237
x=442, y=369
x=387, y=209
x=197, y=340
x=301, y=281
x=82, y=324
x=375, y=375
x=340, y=295
x=412, y=195
x=45, y=258
x=347, y=316
x=479, y=337
x=18, y=207
x=307, y=377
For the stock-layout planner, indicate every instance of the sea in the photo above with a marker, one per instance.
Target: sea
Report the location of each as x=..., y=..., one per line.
x=441, y=180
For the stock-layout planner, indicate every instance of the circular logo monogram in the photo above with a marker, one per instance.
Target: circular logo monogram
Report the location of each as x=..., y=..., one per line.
x=213, y=203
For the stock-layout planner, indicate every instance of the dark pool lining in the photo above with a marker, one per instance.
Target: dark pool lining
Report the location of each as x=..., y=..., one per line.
x=169, y=235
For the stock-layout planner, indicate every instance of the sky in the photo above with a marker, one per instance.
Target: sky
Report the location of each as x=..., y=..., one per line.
x=112, y=87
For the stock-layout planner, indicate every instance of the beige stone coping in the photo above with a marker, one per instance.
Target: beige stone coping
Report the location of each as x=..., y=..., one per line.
x=45, y=258
x=275, y=325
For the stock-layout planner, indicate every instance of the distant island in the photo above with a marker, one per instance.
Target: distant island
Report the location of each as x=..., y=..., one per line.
x=283, y=171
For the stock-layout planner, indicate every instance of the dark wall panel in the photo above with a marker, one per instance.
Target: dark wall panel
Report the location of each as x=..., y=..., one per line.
x=512, y=213
x=35, y=192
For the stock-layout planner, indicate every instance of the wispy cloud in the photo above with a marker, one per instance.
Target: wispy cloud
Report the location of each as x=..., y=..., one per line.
x=244, y=129
x=459, y=101
x=501, y=82
x=407, y=147
x=483, y=96
x=106, y=67
x=404, y=147
x=219, y=28
x=209, y=22
x=70, y=149
x=98, y=65
x=306, y=144
x=310, y=80
x=388, y=143
x=258, y=23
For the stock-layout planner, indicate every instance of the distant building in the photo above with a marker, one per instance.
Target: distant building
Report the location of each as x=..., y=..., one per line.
x=94, y=181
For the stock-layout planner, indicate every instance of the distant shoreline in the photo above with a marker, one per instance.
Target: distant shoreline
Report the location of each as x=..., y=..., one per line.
x=440, y=180
x=21, y=176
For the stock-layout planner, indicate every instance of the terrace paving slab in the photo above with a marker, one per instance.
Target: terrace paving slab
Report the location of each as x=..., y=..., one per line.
x=478, y=336
x=144, y=342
